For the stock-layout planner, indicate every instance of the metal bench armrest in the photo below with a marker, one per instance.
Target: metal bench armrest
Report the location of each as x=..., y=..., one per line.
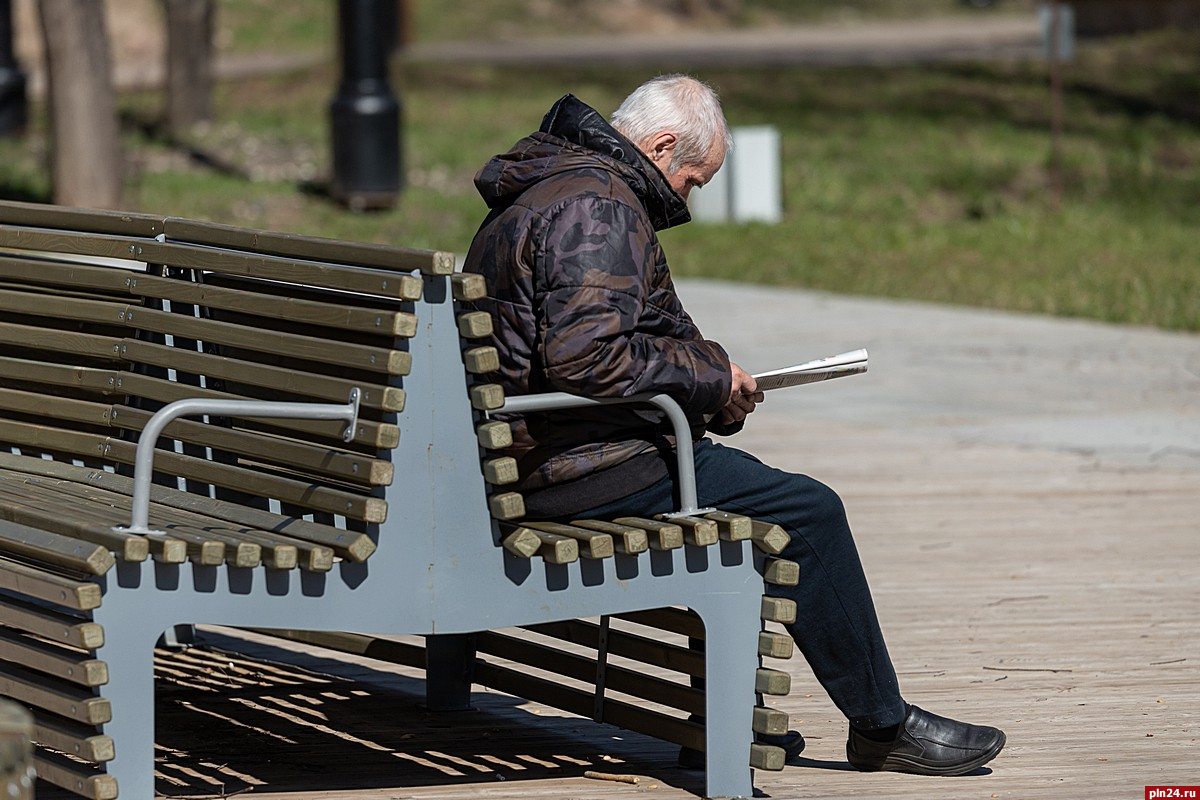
x=143, y=469
x=552, y=401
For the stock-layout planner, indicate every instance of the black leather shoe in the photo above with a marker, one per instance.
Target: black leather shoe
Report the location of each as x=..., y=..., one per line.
x=791, y=742
x=927, y=745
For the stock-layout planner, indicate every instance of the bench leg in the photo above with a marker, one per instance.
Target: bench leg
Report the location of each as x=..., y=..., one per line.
x=730, y=698
x=130, y=689
x=449, y=669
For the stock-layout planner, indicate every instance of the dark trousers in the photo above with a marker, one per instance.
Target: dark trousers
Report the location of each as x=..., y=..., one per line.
x=836, y=628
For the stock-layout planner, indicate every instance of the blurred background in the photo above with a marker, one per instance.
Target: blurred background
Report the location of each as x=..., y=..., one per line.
x=944, y=150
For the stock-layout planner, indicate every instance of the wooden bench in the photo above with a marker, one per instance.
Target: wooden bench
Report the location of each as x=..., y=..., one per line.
x=325, y=469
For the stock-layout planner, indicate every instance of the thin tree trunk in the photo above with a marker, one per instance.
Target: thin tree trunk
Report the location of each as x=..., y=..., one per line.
x=189, y=62
x=85, y=153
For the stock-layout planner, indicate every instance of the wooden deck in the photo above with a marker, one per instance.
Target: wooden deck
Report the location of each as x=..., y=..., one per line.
x=1021, y=588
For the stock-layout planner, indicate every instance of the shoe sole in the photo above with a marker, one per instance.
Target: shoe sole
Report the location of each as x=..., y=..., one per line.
x=917, y=767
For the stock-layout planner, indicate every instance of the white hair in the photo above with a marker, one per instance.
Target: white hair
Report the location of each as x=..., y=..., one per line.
x=687, y=107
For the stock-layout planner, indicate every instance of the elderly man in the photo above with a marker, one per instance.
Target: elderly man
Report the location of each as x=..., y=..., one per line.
x=584, y=303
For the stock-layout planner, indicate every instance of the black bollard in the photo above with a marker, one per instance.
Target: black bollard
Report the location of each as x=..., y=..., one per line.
x=13, y=102
x=364, y=114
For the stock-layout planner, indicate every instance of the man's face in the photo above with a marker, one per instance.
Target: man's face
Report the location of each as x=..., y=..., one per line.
x=688, y=176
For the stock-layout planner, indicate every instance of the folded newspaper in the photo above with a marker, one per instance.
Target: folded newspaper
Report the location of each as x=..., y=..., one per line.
x=822, y=369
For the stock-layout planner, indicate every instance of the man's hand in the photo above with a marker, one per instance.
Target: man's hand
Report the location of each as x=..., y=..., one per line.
x=744, y=398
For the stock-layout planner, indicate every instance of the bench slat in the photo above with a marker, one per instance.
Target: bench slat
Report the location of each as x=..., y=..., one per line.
x=74, y=343
x=53, y=695
x=349, y=544
x=57, y=626
x=663, y=535
x=628, y=645
x=48, y=586
x=429, y=262
x=377, y=435
x=301, y=493
x=592, y=544
x=92, y=379
x=325, y=388
x=321, y=461
x=74, y=777
x=41, y=271
x=402, y=324
x=68, y=665
x=626, y=539
x=580, y=702
x=34, y=503
x=81, y=741
x=52, y=548
x=311, y=348
x=122, y=223
x=583, y=668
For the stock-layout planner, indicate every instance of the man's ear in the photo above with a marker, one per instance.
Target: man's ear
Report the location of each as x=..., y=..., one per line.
x=660, y=148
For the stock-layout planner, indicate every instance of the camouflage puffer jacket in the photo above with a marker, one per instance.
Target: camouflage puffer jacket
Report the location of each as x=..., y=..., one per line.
x=582, y=297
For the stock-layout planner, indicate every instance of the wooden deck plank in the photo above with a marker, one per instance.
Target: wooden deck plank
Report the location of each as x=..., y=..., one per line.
x=1027, y=589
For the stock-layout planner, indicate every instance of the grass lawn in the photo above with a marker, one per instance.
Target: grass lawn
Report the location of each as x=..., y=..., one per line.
x=926, y=182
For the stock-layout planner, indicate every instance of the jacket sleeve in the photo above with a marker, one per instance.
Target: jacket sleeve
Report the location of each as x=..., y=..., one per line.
x=598, y=336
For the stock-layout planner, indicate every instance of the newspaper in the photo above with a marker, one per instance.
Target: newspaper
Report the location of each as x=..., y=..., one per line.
x=822, y=369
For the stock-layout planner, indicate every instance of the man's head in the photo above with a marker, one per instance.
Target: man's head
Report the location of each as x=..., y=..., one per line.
x=678, y=123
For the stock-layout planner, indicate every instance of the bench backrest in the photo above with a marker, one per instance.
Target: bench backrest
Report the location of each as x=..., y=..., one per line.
x=108, y=317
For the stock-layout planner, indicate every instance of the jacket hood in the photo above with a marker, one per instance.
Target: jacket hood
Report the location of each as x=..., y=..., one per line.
x=575, y=136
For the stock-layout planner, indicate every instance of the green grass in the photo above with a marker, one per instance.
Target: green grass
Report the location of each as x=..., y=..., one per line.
x=925, y=182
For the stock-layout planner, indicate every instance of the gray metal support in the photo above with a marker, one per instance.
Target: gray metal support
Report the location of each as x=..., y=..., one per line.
x=554, y=401
x=143, y=470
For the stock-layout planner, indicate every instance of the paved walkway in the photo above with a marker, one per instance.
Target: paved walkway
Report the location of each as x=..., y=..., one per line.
x=1119, y=395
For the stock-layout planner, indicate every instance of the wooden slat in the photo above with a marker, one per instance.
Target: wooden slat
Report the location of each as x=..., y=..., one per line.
x=521, y=542
x=767, y=757
x=552, y=548
x=429, y=262
x=628, y=645
x=43, y=585
x=663, y=535
x=283, y=380
x=778, y=609
x=55, y=626
x=682, y=621
x=55, y=549
x=486, y=396
x=582, y=668
x=368, y=432
x=81, y=741
x=480, y=360
x=59, y=307
x=340, y=465
x=66, y=409
x=768, y=537
x=781, y=572
x=402, y=324
x=775, y=645
x=70, y=342
x=769, y=721
x=475, y=325
x=592, y=544
x=772, y=682
x=65, y=375
x=41, y=215
x=506, y=505
x=468, y=286
x=626, y=539
x=73, y=666
x=349, y=544
x=731, y=527
x=303, y=493
x=57, y=697
x=500, y=471
x=37, y=271
x=577, y=701
x=20, y=505
x=494, y=435
x=697, y=532
x=74, y=777
x=311, y=348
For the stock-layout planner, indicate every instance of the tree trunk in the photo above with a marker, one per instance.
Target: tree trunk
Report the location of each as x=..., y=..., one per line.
x=85, y=153
x=189, y=62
